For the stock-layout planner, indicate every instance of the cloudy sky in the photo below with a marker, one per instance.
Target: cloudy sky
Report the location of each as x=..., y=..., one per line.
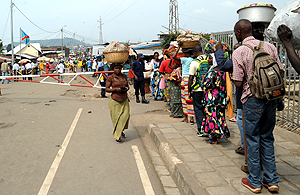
x=123, y=20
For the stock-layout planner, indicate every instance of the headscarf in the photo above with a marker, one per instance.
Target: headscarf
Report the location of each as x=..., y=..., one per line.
x=215, y=64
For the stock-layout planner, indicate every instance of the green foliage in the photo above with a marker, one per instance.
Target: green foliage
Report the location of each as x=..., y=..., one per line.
x=168, y=39
x=206, y=36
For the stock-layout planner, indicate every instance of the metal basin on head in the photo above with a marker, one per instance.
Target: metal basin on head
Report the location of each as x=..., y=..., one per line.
x=261, y=14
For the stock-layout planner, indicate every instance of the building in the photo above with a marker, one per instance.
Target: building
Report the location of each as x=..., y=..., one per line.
x=29, y=51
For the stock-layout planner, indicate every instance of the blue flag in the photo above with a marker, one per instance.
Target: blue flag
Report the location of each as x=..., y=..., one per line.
x=24, y=37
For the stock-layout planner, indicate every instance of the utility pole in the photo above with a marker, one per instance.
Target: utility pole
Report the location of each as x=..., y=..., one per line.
x=12, y=33
x=100, y=31
x=173, y=17
x=62, y=38
x=74, y=42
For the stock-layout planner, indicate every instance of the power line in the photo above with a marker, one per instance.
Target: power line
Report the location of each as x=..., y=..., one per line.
x=5, y=25
x=205, y=20
x=31, y=21
x=113, y=9
x=123, y=11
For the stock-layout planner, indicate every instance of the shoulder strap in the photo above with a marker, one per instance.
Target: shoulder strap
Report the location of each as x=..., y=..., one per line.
x=249, y=47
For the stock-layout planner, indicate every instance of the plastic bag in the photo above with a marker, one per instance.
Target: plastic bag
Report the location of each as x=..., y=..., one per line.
x=162, y=83
x=115, y=47
x=286, y=16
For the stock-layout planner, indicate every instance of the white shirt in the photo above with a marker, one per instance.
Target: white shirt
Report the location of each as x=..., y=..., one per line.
x=94, y=65
x=193, y=70
x=16, y=66
x=60, y=67
x=28, y=66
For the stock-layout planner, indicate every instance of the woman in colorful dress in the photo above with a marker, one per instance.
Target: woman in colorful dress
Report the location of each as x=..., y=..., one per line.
x=155, y=79
x=215, y=101
x=166, y=71
x=187, y=103
x=175, y=91
x=118, y=102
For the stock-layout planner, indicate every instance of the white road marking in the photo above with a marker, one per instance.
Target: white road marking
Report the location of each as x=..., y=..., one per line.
x=52, y=171
x=142, y=170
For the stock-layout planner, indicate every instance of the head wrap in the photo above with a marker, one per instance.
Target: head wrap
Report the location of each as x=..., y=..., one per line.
x=215, y=64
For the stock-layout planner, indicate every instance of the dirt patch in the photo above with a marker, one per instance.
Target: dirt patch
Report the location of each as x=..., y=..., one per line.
x=85, y=94
x=5, y=100
x=6, y=125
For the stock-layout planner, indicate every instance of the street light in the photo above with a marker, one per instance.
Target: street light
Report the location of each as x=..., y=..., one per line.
x=62, y=38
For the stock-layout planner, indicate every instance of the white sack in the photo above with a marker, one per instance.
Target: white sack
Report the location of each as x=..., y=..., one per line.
x=287, y=17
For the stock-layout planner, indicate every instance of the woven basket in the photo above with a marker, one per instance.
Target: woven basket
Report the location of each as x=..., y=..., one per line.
x=189, y=44
x=116, y=57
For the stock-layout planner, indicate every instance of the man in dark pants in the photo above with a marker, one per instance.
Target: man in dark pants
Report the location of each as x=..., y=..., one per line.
x=138, y=68
x=196, y=93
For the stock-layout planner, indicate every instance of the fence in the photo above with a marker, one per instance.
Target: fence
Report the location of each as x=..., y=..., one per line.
x=289, y=118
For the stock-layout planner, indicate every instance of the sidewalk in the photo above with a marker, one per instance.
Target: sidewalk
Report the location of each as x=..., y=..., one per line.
x=201, y=168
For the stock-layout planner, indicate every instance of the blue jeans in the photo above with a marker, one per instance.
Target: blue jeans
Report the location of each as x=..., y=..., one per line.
x=89, y=69
x=259, y=119
x=239, y=122
x=5, y=74
x=60, y=78
x=198, y=108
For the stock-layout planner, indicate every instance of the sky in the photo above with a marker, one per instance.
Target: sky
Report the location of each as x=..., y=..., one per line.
x=123, y=20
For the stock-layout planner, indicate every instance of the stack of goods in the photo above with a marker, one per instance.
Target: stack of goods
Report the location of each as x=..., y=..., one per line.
x=116, y=53
x=189, y=40
x=210, y=47
x=288, y=15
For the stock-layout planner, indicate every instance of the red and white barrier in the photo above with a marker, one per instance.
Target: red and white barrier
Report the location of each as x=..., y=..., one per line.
x=60, y=82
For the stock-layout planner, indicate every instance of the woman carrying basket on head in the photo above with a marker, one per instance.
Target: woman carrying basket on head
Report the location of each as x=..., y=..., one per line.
x=118, y=102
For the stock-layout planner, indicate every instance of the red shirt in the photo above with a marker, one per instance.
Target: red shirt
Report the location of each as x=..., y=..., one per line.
x=164, y=67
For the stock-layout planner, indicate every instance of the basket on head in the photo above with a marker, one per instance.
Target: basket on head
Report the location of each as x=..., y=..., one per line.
x=116, y=53
x=189, y=40
x=116, y=57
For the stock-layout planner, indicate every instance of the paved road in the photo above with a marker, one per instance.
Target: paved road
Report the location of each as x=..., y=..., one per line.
x=35, y=119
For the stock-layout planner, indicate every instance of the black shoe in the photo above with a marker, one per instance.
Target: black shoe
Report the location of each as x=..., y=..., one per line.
x=137, y=99
x=119, y=141
x=144, y=101
x=103, y=96
x=123, y=135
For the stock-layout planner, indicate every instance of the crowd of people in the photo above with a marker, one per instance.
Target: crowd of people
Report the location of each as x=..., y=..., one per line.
x=198, y=86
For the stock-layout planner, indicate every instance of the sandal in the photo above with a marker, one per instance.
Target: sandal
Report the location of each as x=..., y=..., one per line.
x=240, y=150
x=210, y=141
x=123, y=135
x=233, y=119
x=192, y=123
x=119, y=141
x=184, y=121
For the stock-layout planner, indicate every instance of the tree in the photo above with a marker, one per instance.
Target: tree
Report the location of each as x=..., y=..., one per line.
x=168, y=39
x=206, y=36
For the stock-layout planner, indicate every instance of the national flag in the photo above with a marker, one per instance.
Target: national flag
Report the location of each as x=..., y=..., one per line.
x=24, y=37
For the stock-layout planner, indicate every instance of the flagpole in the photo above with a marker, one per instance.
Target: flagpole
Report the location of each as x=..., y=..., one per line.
x=20, y=43
x=12, y=34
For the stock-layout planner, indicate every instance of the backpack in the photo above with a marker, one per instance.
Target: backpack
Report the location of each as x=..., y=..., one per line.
x=202, y=70
x=266, y=78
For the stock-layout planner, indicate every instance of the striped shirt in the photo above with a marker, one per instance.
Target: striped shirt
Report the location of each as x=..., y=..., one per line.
x=242, y=60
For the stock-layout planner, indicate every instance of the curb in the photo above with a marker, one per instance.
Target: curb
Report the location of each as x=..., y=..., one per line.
x=186, y=182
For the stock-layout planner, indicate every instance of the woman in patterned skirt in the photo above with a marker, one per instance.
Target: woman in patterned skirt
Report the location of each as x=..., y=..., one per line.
x=155, y=80
x=215, y=101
